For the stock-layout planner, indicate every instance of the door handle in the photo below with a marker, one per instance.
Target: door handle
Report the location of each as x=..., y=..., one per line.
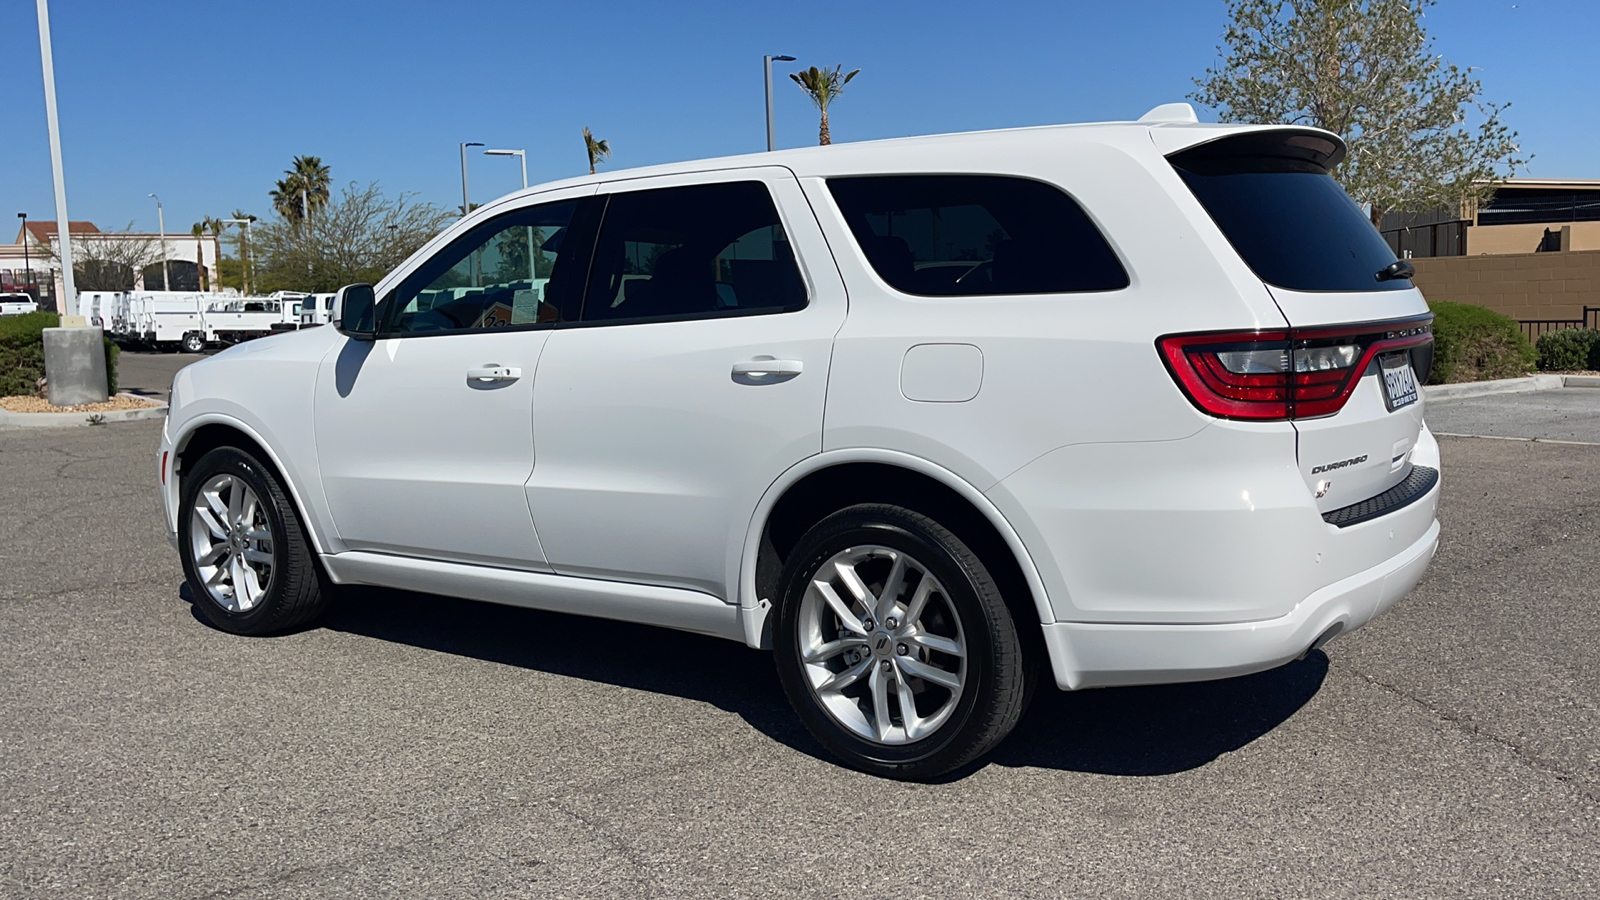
x=768, y=368
x=493, y=373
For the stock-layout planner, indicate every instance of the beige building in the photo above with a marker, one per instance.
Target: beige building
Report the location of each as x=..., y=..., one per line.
x=122, y=260
x=1526, y=215
x=1532, y=252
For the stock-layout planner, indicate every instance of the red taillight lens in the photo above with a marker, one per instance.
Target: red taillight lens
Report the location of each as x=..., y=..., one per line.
x=1272, y=375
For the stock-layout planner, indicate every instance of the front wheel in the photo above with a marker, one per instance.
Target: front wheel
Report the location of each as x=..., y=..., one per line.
x=245, y=555
x=894, y=644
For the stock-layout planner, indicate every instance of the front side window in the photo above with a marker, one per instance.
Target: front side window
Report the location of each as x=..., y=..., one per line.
x=965, y=235
x=692, y=252
x=506, y=272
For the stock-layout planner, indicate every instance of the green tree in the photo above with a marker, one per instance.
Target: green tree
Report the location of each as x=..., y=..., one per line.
x=356, y=237
x=1420, y=134
x=597, y=150
x=823, y=86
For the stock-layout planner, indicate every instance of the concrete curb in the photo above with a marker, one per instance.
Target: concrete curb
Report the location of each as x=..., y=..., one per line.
x=1500, y=386
x=9, y=419
x=1582, y=381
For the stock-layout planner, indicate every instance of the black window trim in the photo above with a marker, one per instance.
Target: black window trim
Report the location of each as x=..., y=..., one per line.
x=855, y=242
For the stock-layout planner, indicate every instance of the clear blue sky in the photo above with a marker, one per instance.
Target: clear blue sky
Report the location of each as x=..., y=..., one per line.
x=205, y=103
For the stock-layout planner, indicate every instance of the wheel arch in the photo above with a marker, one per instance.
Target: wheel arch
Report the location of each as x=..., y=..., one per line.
x=825, y=483
x=207, y=432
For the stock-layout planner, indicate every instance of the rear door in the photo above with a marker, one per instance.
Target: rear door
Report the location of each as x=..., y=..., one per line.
x=1360, y=332
x=694, y=376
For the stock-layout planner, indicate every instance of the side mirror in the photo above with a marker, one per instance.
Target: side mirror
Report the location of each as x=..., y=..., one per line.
x=354, y=309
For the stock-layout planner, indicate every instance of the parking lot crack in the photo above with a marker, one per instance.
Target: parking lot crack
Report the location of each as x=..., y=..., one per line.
x=1473, y=730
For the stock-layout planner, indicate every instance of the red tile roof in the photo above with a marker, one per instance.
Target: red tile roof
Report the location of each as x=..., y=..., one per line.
x=41, y=231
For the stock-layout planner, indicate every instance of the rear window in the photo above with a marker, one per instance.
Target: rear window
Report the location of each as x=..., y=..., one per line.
x=1288, y=219
x=965, y=235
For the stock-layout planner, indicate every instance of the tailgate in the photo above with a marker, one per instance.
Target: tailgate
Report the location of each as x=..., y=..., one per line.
x=1365, y=447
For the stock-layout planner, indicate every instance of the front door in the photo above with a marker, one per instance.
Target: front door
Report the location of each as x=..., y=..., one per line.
x=695, y=375
x=425, y=435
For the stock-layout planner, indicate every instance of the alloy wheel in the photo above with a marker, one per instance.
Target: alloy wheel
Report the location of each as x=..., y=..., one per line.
x=230, y=536
x=881, y=645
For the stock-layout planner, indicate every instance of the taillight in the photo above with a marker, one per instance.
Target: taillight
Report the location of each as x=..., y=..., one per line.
x=1293, y=374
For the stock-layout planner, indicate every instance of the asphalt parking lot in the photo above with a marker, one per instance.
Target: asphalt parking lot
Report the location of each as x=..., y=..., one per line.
x=422, y=746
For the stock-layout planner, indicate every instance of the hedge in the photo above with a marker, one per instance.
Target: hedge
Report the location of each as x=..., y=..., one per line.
x=1471, y=343
x=1570, y=349
x=22, y=354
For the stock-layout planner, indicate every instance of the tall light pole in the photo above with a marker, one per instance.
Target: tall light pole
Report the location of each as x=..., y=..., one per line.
x=766, y=68
x=27, y=265
x=522, y=156
x=466, y=203
x=161, y=226
x=244, y=254
x=69, y=295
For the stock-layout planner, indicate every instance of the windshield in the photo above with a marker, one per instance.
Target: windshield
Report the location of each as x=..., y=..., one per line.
x=1288, y=219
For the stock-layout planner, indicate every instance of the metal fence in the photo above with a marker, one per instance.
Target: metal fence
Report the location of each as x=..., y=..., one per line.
x=1537, y=328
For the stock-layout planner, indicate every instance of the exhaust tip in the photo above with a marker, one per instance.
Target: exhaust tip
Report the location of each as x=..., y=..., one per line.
x=1327, y=635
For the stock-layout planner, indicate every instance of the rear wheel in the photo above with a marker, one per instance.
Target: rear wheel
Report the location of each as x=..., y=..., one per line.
x=194, y=342
x=249, y=566
x=894, y=645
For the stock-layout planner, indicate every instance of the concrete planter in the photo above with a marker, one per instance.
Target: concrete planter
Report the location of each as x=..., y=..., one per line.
x=9, y=419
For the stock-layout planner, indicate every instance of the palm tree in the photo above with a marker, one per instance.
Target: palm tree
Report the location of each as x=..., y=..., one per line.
x=314, y=179
x=244, y=248
x=822, y=86
x=303, y=190
x=598, y=150
x=199, y=232
x=285, y=196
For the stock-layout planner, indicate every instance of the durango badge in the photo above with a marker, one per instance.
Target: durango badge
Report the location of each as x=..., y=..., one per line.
x=1329, y=467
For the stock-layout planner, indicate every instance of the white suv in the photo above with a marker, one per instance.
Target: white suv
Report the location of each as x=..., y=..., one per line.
x=930, y=418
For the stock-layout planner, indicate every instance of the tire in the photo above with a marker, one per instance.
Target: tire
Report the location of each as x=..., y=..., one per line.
x=947, y=645
x=194, y=342
x=258, y=578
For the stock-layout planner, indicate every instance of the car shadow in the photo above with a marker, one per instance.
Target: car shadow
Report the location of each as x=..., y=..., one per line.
x=1134, y=731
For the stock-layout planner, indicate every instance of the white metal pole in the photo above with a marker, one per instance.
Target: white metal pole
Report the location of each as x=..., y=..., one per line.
x=161, y=226
x=772, y=135
x=69, y=295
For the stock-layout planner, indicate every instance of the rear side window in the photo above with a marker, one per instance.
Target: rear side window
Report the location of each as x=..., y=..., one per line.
x=1295, y=227
x=692, y=252
x=965, y=235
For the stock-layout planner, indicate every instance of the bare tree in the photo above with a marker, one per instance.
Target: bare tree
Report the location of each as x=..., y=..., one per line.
x=108, y=260
x=357, y=238
x=1421, y=136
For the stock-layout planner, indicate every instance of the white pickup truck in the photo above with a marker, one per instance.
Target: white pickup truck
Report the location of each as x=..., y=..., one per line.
x=17, y=305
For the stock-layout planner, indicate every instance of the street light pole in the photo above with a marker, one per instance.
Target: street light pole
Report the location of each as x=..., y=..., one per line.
x=69, y=295
x=161, y=226
x=466, y=202
x=27, y=264
x=766, y=69
x=522, y=156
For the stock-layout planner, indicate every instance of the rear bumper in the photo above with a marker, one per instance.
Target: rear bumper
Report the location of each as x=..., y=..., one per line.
x=1102, y=655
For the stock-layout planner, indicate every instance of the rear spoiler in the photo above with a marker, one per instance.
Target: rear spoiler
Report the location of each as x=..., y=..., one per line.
x=1198, y=146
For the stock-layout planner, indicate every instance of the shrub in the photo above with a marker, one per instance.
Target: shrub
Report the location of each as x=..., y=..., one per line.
x=1570, y=349
x=1471, y=343
x=22, y=354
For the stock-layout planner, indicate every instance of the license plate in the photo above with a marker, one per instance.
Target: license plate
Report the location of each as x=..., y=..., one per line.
x=1399, y=382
